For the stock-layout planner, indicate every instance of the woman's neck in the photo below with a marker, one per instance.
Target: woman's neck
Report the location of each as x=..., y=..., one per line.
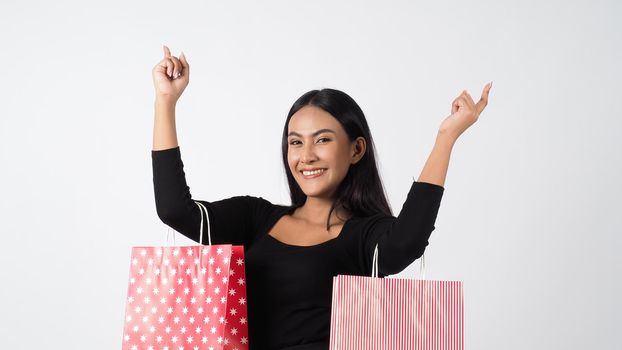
x=315, y=211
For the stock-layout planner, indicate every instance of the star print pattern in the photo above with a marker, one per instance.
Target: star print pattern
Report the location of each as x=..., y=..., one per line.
x=186, y=298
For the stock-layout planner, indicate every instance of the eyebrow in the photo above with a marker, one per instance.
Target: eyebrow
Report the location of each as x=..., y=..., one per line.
x=293, y=133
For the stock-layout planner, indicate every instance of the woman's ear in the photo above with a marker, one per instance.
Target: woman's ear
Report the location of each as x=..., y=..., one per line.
x=359, y=147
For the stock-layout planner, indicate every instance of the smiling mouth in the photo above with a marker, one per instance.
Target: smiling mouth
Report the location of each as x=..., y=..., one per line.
x=312, y=174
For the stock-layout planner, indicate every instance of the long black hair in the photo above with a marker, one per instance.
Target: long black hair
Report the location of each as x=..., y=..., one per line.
x=361, y=192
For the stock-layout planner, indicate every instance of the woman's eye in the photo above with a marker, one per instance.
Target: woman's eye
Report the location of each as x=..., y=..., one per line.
x=294, y=142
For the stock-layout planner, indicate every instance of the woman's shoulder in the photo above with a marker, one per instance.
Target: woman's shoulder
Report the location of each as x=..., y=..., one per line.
x=260, y=201
x=260, y=207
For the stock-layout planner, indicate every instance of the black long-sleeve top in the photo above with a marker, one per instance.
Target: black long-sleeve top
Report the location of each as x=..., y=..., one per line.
x=289, y=287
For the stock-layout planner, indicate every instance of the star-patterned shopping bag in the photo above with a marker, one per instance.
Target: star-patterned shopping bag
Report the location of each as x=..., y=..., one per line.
x=395, y=313
x=186, y=298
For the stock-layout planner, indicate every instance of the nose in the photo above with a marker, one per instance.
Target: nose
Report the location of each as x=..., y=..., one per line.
x=308, y=154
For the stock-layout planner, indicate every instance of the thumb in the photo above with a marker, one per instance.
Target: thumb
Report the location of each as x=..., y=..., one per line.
x=483, y=101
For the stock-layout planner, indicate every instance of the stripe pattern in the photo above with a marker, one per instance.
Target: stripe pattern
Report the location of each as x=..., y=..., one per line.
x=396, y=313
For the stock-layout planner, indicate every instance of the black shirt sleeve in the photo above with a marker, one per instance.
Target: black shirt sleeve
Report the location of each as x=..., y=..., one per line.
x=232, y=220
x=402, y=240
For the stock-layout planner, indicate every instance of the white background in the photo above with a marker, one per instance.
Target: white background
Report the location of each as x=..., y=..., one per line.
x=530, y=218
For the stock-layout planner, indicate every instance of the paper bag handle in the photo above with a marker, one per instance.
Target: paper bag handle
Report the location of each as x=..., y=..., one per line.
x=209, y=236
x=374, y=266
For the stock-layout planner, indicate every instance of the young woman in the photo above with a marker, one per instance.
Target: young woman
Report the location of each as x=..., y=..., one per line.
x=338, y=214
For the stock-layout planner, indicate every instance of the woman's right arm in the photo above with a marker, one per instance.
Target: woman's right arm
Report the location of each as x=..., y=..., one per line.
x=174, y=205
x=232, y=220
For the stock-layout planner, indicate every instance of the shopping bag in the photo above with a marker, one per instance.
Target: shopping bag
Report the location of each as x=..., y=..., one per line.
x=186, y=297
x=396, y=313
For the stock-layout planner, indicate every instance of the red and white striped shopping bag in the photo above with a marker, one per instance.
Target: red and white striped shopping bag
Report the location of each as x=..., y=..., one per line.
x=189, y=297
x=394, y=313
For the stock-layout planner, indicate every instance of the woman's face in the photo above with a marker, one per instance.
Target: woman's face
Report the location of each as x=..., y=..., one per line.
x=316, y=140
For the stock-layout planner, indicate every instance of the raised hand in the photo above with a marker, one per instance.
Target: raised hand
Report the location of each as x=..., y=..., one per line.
x=464, y=112
x=171, y=76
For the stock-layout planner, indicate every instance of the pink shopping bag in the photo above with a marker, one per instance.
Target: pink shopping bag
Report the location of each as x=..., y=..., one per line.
x=186, y=297
x=393, y=313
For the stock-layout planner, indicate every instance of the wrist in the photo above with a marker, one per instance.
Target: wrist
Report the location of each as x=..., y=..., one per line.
x=445, y=138
x=165, y=101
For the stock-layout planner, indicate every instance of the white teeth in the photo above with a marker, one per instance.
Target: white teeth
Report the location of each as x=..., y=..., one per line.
x=315, y=172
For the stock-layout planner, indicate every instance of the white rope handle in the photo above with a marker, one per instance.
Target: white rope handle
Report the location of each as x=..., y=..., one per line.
x=374, y=266
x=168, y=232
x=209, y=236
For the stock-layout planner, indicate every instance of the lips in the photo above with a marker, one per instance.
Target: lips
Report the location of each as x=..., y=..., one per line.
x=312, y=175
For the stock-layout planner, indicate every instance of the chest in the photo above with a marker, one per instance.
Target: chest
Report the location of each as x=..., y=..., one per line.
x=291, y=231
x=291, y=271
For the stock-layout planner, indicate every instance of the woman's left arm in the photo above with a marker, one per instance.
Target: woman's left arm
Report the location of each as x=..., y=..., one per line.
x=464, y=113
x=403, y=239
